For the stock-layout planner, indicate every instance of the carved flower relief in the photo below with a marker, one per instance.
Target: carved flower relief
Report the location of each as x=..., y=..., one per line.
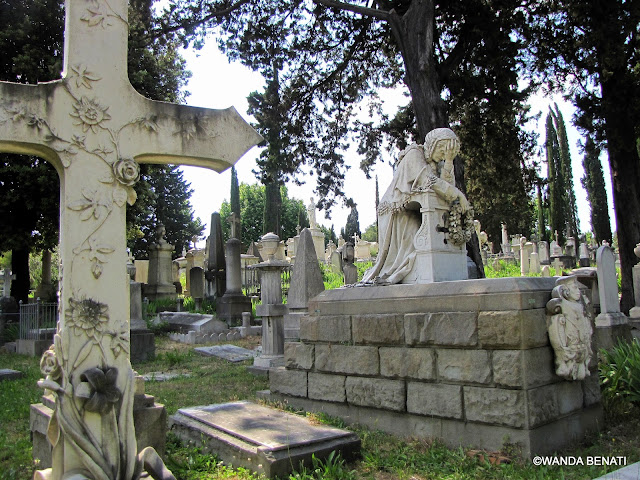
x=98, y=388
x=87, y=316
x=90, y=114
x=92, y=205
x=83, y=77
x=120, y=341
x=49, y=365
x=127, y=173
x=97, y=257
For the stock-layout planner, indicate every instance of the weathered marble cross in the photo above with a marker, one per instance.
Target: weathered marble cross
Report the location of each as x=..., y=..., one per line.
x=95, y=129
x=6, y=279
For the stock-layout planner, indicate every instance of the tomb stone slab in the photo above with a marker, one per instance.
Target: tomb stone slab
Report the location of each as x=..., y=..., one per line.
x=8, y=374
x=231, y=353
x=265, y=440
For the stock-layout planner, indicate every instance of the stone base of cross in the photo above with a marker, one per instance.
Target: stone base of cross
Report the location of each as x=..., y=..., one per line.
x=95, y=129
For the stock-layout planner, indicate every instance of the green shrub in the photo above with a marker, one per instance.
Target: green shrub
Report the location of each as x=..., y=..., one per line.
x=620, y=375
x=207, y=306
x=11, y=332
x=333, y=468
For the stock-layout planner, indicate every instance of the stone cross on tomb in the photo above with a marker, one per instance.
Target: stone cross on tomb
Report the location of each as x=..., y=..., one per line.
x=96, y=130
x=236, y=225
x=6, y=282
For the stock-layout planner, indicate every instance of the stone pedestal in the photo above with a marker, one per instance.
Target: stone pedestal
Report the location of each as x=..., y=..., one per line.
x=46, y=291
x=233, y=303
x=143, y=346
x=318, y=243
x=437, y=258
x=160, y=281
x=467, y=362
x=271, y=310
x=149, y=419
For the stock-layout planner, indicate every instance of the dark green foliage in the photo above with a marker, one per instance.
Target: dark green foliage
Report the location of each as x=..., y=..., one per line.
x=573, y=223
x=166, y=201
x=333, y=55
x=370, y=233
x=353, y=225
x=252, y=205
x=593, y=183
x=590, y=49
x=620, y=374
x=557, y=187
x=235, y=192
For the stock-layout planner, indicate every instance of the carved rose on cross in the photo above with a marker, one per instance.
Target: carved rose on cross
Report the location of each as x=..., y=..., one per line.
x=127, y=173
x=90, y=113
x=49, y=365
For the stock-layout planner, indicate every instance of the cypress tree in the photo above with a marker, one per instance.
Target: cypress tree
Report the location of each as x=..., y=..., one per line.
x=593, y=183
x=573, y=223
x=555, y=177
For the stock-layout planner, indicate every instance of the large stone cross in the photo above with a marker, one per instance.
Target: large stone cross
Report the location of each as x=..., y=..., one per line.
x=95, y=129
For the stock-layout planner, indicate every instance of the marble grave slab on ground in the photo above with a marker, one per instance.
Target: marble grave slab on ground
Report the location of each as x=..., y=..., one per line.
x=263, y=439
x=163, y=376
x=231, y=353
x=630, y=472
x=9, y=374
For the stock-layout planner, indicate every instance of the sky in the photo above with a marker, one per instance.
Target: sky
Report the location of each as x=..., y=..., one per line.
x=216, y=83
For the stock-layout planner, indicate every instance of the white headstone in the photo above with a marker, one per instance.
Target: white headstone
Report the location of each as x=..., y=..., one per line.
x=95, y=129
x=608, y=289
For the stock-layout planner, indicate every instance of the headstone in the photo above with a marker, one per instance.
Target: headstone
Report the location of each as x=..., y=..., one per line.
x=216, y=264
x=331, y=247
x=341, y=241
x=543, y=252
x=558, y=266
x=534, y=259
x=160, y=282
x=306, y=283
x=505, y=245
x=268, y=441
x=235, y=223
x=610, y=314
x=254, y=251
x=349, y=270
x=556, y=250
x=196, y=279
x=545, y=271
x=185, y=322
x=46, y=291
x=7, y=277
x=363, y=250
x=524, y=257
x=142, y=270
x=231, y=353
x=233, y=303
x=291, y=247
x=95, y=128
x=570, y=247
x=175, y=276
x=336, y=262
x=584, y=255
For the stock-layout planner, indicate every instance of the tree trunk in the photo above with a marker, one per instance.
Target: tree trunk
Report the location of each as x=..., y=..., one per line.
x=625, y=172
x=415, y=34
x=272, y=207
x=20, y=268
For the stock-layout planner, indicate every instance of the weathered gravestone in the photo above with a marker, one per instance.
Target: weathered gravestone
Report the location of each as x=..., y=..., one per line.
x=306, y=282
x=233, y=303
x=215, y=263
x=196, y=279
x=160, y=277
x=95, y=129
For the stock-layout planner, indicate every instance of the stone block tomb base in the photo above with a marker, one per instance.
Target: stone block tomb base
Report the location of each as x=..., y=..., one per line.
x=468, y=362
x=262, y=439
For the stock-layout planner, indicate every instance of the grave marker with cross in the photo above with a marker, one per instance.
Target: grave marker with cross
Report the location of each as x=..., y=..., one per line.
x=95, y=129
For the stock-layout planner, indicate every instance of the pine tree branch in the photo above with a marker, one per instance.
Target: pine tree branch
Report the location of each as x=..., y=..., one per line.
x=367, y=12
x=188, y=25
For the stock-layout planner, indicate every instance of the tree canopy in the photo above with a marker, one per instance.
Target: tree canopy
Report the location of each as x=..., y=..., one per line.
x=252, y=206
x=31, y=45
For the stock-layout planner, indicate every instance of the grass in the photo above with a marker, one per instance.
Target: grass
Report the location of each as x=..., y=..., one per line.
x=384, y=456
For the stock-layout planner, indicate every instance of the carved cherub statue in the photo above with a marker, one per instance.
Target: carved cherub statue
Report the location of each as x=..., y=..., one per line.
x=569, y=329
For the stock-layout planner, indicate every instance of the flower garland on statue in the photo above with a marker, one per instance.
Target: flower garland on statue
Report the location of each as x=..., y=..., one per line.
x=460, y=224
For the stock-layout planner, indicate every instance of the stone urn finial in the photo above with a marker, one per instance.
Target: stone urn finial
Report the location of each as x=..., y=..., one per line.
x=270, y=243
